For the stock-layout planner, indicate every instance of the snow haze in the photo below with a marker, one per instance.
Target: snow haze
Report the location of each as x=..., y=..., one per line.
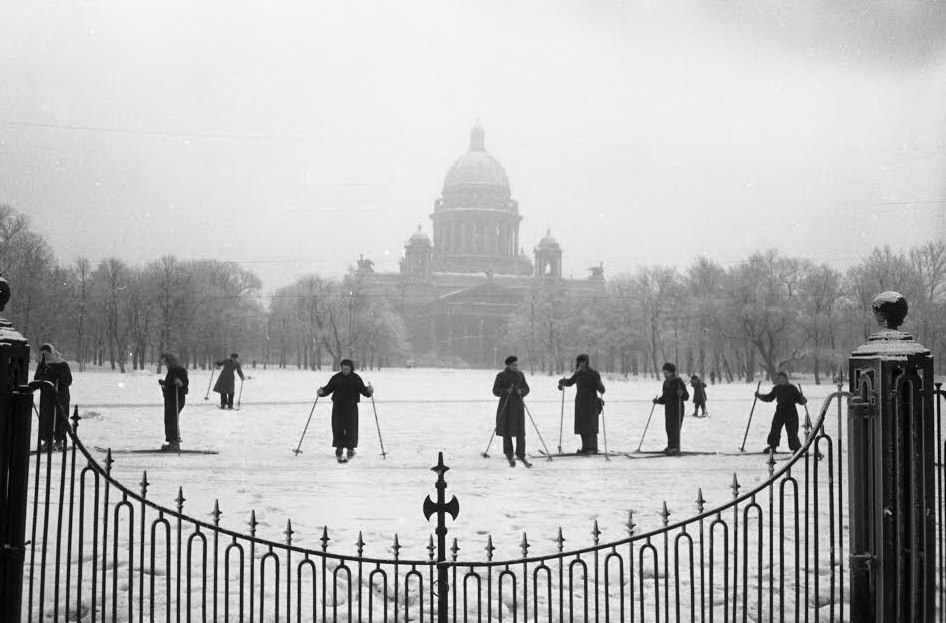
x=294, y=137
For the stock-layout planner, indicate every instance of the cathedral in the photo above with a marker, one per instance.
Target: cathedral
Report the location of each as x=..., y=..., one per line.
x=457, y=292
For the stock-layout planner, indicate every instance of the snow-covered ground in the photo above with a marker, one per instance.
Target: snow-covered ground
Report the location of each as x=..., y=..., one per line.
x=421, y=413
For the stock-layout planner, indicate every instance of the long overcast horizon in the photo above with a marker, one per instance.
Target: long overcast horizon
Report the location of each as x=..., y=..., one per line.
x=293, y=138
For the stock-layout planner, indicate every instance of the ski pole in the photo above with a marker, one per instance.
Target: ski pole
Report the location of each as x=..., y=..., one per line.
x=646, y=426
x=561, y=425
x=297, y=451
x=604, y=430
x=502, y=419
x=177, y=416
x=742, y=448
x=529, y=413
x=212, y=372
x=240, y=398
x=381, y=441
x=807, y=415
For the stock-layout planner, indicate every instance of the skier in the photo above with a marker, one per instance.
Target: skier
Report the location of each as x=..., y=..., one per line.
x=587, y=403
x=511, y=387
x=53, y=413
x=699, y=395
x=673, y=397
x=225, y=382
x=786, y=396
x=174, y=388
x=346, y=388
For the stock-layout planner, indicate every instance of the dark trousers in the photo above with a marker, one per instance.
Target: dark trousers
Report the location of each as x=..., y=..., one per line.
x=699, y=405
x=172, y=410
x=672, y=423
x=226, y=400
x=790, y=421
x=520, y=446
x=589, y=442
x=345, y=427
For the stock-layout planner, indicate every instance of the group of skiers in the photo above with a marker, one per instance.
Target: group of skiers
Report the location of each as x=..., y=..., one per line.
x=346, y=387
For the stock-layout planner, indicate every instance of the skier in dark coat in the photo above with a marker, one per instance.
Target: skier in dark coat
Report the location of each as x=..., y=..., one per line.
x=174, y=388
x=346, y=388
x=673, y=397
x=699, y=395
x=53, y=413
x=587, y=403
x=786, y=396
x=226, y=382
x=511, y=387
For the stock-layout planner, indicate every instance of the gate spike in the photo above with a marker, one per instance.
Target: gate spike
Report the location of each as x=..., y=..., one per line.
x=325, y=538
x=665, y=513
x=629, y=524
x=595, y=532
x=396, y=548
x=252, y=522
x=144, y=484
x=216, y=513
x=455, y=549
x=75, y=418
x=560, y=540
x=431, y=548
x=525, y=546
x=734, y=486
x=288, y=532
x=180, y=499
x=360, y=544
x=771, y=463
x=489, y=548
x=700, y=502
x=108, y=462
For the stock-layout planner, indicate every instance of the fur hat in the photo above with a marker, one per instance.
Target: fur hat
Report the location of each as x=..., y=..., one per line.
x=669, y=367
x=347, y=362
x=581, y=358
x=511, y=359
x=234, y=356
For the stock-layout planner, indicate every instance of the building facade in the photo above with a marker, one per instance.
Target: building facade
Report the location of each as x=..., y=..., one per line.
x=458, y=291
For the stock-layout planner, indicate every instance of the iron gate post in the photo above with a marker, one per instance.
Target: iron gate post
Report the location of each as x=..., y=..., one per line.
x=16, y=402
x=891, y=445
x=441, y=508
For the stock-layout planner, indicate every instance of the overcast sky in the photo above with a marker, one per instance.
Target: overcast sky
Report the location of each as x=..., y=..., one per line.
x=294, y=136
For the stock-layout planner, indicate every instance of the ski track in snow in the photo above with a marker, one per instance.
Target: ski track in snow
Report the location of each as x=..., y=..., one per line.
x=422, y=412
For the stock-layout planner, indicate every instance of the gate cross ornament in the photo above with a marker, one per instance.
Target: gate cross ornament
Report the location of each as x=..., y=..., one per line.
x=441, y=507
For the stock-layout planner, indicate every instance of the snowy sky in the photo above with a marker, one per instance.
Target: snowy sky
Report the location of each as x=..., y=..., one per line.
x=294, y=136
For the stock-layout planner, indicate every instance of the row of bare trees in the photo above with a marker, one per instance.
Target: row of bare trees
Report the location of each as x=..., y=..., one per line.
x=767, y=313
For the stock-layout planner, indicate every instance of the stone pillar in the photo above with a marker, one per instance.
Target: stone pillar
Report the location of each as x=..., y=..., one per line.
x=891, y=444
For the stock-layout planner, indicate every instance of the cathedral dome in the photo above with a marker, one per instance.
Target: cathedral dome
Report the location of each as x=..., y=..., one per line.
x=548, y=242
x=476, y=167
x=418, y=237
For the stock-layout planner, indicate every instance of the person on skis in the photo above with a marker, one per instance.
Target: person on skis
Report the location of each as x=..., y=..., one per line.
x=346, y=388
x=53, y=409
x=673, y=397
x=699, y=395
x=226, y=382
x=174, y=389
x=511, y=387
x=786, y=396
x=587, y=403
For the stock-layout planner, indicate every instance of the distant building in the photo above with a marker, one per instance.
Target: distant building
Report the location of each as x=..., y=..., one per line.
x=457, y=293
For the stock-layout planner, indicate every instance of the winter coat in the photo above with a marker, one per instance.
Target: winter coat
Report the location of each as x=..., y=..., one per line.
x=587, y=404
x=169, y=387
x=225, y=382
x=785, y=397
x=346, y=391
x=59, y=375
x=673, y=396
x=510, y=412
x=699, y=391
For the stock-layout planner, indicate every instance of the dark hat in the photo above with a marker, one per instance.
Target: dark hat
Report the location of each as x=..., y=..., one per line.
x=234, y=356
x=346, y=362
x=511, y=359
x=47, y=347
x=581, y=358
x=669, y=367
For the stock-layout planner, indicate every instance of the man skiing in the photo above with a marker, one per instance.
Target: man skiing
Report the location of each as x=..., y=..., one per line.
x=225, y=382
x=699, y=395
x=53, y=409
x=174, y=389
x=587, y=403
x=786, y=396
x=673, y=397
x=346, y=388
x=511, y=387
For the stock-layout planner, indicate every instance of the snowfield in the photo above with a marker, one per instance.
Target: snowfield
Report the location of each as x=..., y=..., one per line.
x=422, y=412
